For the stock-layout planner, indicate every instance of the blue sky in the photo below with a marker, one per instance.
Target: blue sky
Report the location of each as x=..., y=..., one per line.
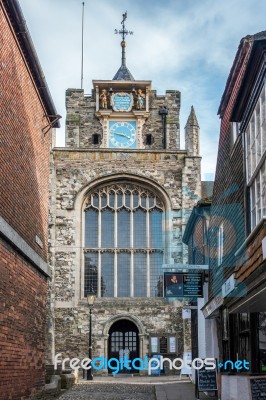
x=186, y=45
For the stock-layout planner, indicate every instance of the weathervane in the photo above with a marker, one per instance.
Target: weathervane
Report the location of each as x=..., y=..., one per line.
x=123, y=73
x=123, y=32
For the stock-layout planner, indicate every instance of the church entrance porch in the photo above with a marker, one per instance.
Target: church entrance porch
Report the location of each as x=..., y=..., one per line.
x=123, y=342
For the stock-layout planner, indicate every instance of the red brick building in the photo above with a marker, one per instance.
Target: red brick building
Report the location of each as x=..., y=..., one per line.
x=26, y=118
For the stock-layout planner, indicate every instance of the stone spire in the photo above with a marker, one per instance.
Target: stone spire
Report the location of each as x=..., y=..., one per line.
x=192, y=134
x=123, y=74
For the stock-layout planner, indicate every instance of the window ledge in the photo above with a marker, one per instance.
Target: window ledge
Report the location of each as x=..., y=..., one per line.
x=250, y=237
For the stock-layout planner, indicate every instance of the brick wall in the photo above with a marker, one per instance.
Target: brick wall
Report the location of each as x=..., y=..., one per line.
x=24, y=180
x=22, y=326
x=24, y=148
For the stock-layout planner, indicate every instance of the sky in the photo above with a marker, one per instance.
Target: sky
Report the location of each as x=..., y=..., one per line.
x=185, y=45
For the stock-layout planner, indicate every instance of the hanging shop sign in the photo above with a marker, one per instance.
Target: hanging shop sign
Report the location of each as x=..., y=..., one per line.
x=185, y=284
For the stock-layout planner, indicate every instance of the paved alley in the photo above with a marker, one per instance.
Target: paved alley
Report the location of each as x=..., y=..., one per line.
x=133, y=388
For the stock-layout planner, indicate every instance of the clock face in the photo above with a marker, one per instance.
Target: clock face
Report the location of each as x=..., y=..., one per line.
x=122, y=134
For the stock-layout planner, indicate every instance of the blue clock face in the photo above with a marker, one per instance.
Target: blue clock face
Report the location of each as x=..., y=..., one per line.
x=122, y=135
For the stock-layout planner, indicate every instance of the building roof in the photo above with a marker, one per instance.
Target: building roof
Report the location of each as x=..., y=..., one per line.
x=245, y=45
x=18, y=22
x=255, y=67
x=123, y=74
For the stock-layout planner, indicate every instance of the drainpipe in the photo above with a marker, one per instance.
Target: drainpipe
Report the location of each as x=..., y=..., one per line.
x=164, y=112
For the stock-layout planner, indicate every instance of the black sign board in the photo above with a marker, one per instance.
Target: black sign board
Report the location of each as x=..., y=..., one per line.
x=207, y=380
x=258, y=388
x=185, y=284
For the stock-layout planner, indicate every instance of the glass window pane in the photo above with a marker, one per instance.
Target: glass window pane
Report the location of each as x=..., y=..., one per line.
x=140, y=275
x=91, y=228
x=263, y=120
x=253, y=206
x=119, y=200
x=258, y=198
x=107, y=228
x=107, y=264
x=262, y=340
x=111, y=199
x=156, y=239
x=139, y=228
x=258, y=135
x=96, y=200
x=123, y=229
x=135, y=200
x=91, y=273
x=104, y=200
x=248, y=152
x=144, y=201
x=263, y=194
x=127, y=200
x=151, y=201
x=123, y=275
x=156, y=274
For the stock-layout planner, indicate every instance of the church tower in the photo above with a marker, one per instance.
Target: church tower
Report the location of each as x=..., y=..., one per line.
x=122, y=190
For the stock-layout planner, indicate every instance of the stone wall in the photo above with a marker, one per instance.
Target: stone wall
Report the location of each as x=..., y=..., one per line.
x=177, y=177
x=152, y=316
x=79, y=168
x=81, y=122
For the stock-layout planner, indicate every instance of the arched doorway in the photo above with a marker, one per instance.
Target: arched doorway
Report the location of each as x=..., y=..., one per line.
x=123, y=341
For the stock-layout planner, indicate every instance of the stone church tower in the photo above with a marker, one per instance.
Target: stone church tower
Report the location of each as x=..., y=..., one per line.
x=122, y=190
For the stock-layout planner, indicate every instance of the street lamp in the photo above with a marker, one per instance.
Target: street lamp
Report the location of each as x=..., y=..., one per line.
x=90, y=299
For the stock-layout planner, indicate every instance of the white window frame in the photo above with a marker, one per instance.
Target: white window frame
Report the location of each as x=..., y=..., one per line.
x=220, y=244
x=255, y=149
x=234, y=132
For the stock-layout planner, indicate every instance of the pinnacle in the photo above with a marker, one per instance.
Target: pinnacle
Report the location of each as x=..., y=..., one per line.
x=192, y=119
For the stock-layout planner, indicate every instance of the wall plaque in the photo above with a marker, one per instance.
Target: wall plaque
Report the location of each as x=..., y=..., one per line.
x=122, y=101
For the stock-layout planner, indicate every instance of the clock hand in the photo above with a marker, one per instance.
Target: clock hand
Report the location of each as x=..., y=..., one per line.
x=122, y=134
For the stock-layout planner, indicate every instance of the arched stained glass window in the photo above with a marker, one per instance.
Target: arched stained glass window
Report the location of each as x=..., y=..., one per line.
x=123, y=246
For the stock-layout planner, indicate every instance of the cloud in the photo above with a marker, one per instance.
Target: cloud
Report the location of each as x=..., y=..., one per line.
x=183, y=45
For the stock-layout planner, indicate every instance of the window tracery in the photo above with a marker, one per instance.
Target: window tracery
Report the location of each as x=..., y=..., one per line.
x=123, y=246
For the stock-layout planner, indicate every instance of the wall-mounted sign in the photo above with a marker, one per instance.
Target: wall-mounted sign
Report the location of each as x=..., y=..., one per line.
x=229, y=286
x=172, y=344
x=185, y=284
x=163, y=344
x=186, y=313
x=122, y=101
x=154, y=344
x=185, y=266
x=212, y=307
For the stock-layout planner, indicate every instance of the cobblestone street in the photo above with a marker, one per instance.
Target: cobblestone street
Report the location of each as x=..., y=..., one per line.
x=135, y=388
x=110, y=391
